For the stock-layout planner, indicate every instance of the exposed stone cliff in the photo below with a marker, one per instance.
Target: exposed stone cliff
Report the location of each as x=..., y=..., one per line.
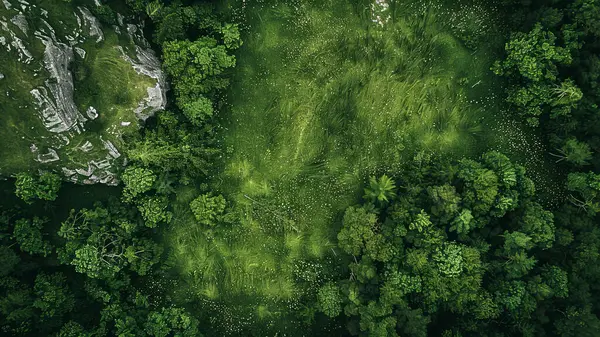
x=70, y=87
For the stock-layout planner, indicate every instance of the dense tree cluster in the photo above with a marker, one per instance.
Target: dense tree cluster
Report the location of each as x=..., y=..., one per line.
x=41, y=295
x=465, y=240
x=552, y=65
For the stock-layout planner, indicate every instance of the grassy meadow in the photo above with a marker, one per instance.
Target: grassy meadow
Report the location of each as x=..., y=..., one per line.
x=326, y=95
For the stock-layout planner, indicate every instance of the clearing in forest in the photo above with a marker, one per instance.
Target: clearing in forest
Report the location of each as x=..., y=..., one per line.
x=327, y=93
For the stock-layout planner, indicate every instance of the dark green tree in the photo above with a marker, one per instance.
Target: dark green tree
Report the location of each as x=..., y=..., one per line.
x=42, y=187
x=28, y=234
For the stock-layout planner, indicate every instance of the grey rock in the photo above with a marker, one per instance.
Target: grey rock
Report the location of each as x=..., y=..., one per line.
x=93, y=23
x=49, y=157
x=67, y=172
x=24, y=55
x=92, y=113
x=112, y=149
x=21, y=22
x=147, y=63
x=55, y=100
x=91, y=159
x=80, y=52
x=87, y=146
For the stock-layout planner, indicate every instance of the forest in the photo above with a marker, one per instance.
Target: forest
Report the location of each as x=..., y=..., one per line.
x=401, y=168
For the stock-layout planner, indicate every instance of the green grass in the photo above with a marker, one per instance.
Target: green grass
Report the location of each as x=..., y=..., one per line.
x=322, y=99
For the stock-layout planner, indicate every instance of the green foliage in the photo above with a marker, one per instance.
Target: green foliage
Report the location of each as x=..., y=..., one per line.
x=586, y=187
x=463, y=222
x=171, y=322
x=137, y=181
x=519, y=264
x=43, y=187
x=8, y=261
x=516, y=241
x=154, y=8
x=330, y=299
x=198, y=111
x=578, y=322
x=557, y=280
x=431, y=248
x=532, y=61
x=533, y=55
x=357, y=230
x=449, y=259
x=446, y=203
x=197, y=67
x=179, y=150
x=53, y=297
x=105, y=14
x=29, y=236
x=154, y=210
x=73, y=329
x=207, y=209
x=380, y=190
x=231, y=36
x=100, y=243
x=574, y=152
x=539, y=225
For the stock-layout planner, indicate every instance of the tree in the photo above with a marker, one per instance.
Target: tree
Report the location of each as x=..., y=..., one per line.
x=231, y=36
x=532, y=62
x=196, y=67
x=198, y=111
x=43, y=187
x=28, y=234
x=380, y=190
x=533, y=55
x=481, y=186
x=578, y=322
x=330, y=299
x=8, y=261
x=463, y=222
x=73, y=329
x=587, y=189
x=445, y=202
x=154, y=8
x=449, y=259
x=587, y=15
x=557, y=281
x=538, y=224
x=98, y=246
x=207, y=209
x=519, y=264
x=17, y=314
x=435, y=248
x=53, y=297
x=137, y=181
x=171, y=322
x=574, y=152
x=154, y=211
x=516, y=241
x=357, y=230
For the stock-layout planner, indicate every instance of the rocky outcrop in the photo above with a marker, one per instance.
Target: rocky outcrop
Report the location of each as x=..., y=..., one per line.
x=29, y=34
x=146, y=63
x=55, y=99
